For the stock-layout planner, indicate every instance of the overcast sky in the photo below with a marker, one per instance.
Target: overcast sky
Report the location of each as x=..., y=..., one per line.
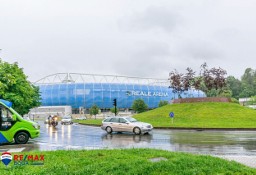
x=143, y=38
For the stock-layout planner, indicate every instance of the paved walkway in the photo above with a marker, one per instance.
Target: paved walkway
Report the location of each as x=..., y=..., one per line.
x=246, y=160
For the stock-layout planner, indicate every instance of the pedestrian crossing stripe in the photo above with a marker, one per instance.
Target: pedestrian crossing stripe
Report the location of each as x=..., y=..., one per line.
x=16, y=150
x=12, y=150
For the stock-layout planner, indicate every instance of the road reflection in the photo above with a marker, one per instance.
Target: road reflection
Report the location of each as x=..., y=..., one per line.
x=120, y=140
x=214, y=142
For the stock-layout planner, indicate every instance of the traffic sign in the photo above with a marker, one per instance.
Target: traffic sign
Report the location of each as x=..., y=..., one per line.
x=171, y=114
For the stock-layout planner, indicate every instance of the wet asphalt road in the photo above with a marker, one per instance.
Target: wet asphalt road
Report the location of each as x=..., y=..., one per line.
x=235, y=143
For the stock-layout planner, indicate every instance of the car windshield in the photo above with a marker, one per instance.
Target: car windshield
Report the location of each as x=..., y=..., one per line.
x=130, y=119
x=107, y=119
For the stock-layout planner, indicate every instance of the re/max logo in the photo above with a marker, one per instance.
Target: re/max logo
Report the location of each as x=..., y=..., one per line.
x=20, y=160
x=28, y=157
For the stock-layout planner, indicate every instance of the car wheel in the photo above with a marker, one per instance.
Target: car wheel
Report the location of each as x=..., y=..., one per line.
x=109, y=130
x=21, y=138
x=137, y=130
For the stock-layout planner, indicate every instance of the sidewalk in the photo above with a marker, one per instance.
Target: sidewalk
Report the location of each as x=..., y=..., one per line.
x=246, y=160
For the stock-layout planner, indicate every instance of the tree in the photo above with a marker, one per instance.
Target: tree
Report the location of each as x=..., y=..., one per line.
x=225, y=93
x=162, y=103
x=219, y=80
x=252, y=101
x=208, y=80
x=188, y=79
x=113, y=110
x=211, y=81
x=176, y=79
x=199, y=84
x=234, y=85
x=15, y=87
x=214, y=80
x=94, y=110
x=248, y=83
x=139, y=106
x=179, y=82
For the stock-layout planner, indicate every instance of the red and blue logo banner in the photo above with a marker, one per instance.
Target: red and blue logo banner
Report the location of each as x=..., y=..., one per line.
x=6, y=158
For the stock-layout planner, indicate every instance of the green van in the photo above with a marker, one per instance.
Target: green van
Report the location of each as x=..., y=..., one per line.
x=13, y=126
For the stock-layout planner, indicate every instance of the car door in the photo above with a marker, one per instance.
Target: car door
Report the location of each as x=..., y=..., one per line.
x=114, y=124
x=123, y=125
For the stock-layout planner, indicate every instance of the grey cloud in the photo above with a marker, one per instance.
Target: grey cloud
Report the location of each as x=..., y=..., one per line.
x=136, y=38
x=152, y=18
x=200, y=50
x=148, y=60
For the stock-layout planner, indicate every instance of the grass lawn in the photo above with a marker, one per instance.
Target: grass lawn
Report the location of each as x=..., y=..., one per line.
x=126, y=161
x=197, y=115
x=201, y=115
x=89, y=121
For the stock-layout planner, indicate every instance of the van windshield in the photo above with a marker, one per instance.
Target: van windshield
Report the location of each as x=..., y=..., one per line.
x=26, y=118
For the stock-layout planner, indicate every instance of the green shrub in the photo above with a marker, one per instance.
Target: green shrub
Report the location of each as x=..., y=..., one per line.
x=234, y=100
x=139, y=106
x=162, y=103
x=113, y=110
x=94, y=110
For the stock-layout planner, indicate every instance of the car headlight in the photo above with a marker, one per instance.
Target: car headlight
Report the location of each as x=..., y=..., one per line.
x=36, y=126
x=149, y=126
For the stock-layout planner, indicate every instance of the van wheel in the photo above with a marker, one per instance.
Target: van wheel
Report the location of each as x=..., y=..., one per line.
x=137, y=131
x=109, y=130
x=21, y=138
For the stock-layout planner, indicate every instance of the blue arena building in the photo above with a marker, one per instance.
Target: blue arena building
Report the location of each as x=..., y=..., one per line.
x=85, y=90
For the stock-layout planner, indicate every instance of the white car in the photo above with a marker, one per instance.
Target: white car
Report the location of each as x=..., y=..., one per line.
x=66, y=120
x=125, y=124
x=81, y=118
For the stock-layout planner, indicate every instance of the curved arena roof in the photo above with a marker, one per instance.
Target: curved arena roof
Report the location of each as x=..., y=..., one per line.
x=97, y=78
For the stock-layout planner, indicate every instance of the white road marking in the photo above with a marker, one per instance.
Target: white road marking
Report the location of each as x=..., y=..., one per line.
x=16, y=150
x=3, y=150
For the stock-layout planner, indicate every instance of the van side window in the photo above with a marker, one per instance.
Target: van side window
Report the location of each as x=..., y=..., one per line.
x=6, y=119
x=6, y=115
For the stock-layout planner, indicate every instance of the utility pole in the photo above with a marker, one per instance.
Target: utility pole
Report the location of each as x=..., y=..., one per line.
x=114, y=103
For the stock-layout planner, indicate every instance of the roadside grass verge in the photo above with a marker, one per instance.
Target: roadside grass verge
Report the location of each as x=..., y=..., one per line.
x=201, y=115
x=127, y=161
x=96, y=122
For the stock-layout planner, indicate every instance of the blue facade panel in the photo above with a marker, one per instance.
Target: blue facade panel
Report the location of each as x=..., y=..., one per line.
x=102, y=94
